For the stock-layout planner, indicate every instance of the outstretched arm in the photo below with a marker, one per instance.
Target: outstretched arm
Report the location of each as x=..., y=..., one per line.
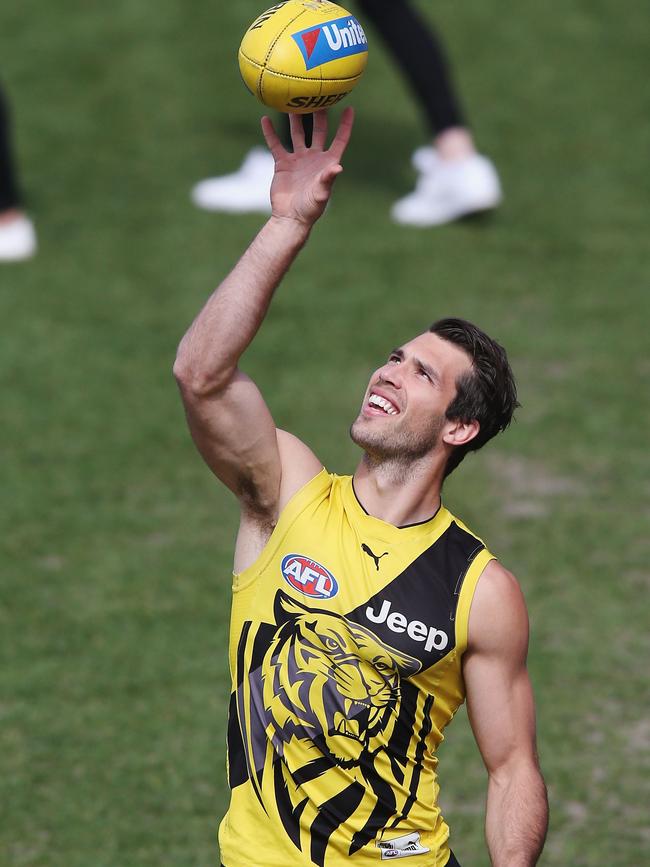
x=502, y=715
x=229, y=420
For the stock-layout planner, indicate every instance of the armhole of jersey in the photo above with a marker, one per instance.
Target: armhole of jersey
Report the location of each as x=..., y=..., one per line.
x=467, y=590
x=309, y=491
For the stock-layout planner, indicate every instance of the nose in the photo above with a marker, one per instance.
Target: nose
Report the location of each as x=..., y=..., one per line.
x=391, y=375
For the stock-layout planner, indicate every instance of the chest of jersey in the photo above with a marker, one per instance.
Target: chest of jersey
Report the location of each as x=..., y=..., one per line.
x=346, y=639
x=336, y=567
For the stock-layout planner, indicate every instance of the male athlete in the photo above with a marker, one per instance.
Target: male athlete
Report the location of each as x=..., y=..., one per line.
x=364, y=613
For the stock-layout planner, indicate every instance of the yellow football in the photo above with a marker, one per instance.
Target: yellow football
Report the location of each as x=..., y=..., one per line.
x=303, y=55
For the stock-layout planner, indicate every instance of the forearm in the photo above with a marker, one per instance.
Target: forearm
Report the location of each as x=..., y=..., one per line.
x=210, y=350
x=517, y=817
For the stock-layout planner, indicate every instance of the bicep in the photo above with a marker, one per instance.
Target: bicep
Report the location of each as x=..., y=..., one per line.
x=235, y=434
x=499, y=694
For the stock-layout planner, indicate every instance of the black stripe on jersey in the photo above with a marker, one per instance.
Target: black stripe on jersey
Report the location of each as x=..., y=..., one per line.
x=241, y=647
x=403, y=731
x=381, y=813
x=265, y=634
x=237, y=767
x=238, y=770
x=289, y=814
x=460, y=550
x=312, y=770
x=425, y=731
x=330, y=816
x=254, y=752
x=415, y=613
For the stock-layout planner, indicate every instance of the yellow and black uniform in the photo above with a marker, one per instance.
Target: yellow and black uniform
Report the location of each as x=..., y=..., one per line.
x=345, y=651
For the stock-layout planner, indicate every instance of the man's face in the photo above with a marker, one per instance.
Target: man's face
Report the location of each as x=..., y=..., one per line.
x=403, y=411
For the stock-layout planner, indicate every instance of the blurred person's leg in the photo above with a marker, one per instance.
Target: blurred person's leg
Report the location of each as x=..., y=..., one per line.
x=418, y=52
x=9, y=195
x=454, y=179
x=17, y=236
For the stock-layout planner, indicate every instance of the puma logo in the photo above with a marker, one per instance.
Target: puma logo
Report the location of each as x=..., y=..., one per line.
x=368, y=551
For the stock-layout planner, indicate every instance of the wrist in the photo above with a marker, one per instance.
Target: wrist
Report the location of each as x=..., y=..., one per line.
x=291, y=229
x=279, y=241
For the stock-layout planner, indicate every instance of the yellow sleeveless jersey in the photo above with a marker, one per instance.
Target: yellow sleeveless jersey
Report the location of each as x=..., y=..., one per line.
x=345, y=652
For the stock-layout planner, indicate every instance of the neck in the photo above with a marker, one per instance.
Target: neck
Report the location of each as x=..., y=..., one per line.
x=399, y=493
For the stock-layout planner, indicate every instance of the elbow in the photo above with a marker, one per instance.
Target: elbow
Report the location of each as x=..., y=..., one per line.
x=196, y=382
x=183, y=373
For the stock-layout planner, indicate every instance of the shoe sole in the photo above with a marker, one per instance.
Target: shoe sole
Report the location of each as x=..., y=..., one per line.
x=477, y=210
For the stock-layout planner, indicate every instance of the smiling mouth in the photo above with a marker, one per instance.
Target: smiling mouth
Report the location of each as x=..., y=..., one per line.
x=381, y=403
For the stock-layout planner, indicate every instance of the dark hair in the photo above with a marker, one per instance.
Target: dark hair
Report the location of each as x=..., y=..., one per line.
x=487, y=393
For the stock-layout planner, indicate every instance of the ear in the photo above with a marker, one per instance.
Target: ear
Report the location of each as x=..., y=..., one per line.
x=459, y=433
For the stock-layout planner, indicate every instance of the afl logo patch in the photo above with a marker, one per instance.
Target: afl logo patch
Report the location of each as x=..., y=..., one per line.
x=308, y=577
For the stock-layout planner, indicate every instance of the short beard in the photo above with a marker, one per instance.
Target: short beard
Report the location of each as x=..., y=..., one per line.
x=401, y=449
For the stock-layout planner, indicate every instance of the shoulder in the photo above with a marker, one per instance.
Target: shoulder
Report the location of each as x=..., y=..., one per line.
x=299, y=465
x=498, y=616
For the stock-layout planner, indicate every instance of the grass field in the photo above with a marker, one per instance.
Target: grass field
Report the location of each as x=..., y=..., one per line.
x=116, y=543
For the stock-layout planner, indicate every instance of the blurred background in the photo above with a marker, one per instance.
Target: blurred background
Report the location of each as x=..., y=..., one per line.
x=117, y=542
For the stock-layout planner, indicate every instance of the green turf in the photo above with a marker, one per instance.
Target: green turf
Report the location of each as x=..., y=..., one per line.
x=116, y=543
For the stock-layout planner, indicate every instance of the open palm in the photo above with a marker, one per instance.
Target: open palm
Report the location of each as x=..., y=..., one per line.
x=303, y=180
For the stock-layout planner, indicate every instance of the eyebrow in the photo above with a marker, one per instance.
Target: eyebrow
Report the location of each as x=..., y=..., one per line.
x=430, y=371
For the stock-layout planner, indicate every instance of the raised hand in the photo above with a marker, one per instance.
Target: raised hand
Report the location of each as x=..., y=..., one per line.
x=303, y=180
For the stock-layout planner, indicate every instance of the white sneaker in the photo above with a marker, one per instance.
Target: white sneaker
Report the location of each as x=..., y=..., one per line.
x=424, y=158
x=242, y=192
x=17, y=239
x=447, y=190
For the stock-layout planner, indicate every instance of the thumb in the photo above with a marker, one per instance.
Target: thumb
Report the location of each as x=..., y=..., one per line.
x=328, y=176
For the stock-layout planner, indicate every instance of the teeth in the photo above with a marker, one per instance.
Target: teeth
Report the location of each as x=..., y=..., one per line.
x=382, y=403
x=343, y=726
x=352, y=728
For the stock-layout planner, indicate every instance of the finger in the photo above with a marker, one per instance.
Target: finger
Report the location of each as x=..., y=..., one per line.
x=272, y=139
x=319, y=135
x=297, y=131
x=343, y=133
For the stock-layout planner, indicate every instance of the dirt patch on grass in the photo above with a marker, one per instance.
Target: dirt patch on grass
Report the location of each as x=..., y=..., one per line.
x=638, y=737
x=530, y=488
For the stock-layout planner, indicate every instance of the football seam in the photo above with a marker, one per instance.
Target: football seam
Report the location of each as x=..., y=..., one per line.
x=270, y=51
x=258, y=65
x=280, y=35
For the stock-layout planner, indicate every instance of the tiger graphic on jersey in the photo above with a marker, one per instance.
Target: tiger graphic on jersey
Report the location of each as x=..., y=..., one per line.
x=327, y=698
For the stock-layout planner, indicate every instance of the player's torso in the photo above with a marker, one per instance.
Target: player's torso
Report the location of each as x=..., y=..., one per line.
x=346, y=639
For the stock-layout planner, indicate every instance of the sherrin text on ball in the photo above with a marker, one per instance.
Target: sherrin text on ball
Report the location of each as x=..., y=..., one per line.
x=303, y=55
